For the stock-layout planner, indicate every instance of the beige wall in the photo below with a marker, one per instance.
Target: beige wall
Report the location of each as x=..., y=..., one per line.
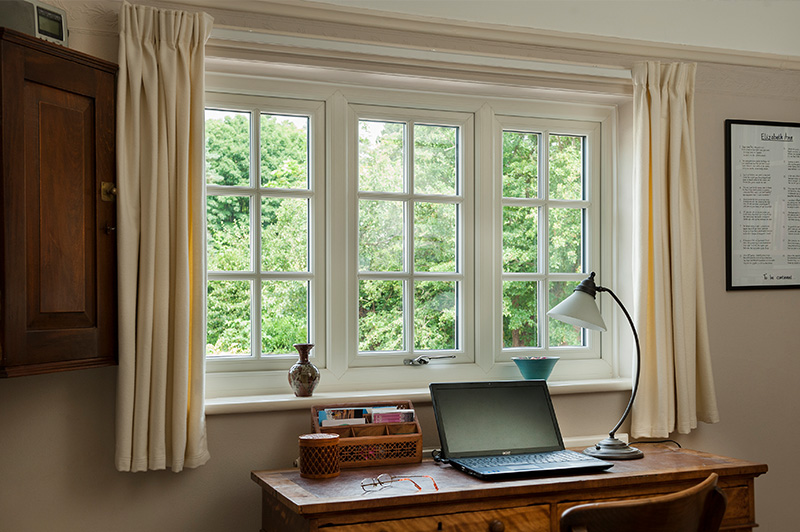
x=57, y=431
x=756, y=356
x=57, y=460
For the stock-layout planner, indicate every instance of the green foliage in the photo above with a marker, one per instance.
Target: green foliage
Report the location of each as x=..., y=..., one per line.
x=566, y=167
x=435, y=315
x=435, y=237
x=284, y=315
x=382, y=226
x=380, y=236
x=284, y=233
x=380, y=316
x=228, y=318
x=228, y=233
x=284, y=229
x=520, y=164
x=228, y=150
x=520, y=239
x=562, y=334
x=565, y=250
x=521, y=233
x=284, y=152
x=380, y=156
x=435, y=159
x=520, y=324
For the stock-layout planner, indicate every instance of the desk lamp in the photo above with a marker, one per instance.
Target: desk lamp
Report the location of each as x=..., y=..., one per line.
x=580, y=309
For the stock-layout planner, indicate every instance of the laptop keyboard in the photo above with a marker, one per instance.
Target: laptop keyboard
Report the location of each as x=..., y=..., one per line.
x=523, y=459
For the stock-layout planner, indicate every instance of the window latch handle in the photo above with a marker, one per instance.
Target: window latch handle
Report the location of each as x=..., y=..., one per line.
x=424, y=359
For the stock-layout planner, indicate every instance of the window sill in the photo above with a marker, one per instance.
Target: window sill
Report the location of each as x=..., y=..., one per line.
x=281, y=402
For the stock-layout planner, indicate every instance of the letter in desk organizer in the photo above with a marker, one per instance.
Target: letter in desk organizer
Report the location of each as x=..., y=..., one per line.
x=393, y=416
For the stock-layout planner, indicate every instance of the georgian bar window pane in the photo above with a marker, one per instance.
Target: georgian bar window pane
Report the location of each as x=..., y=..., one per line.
x=409, y=219
x=544, y=234
x=258, y=241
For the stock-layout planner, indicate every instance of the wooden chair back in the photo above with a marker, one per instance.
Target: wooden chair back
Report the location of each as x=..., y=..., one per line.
x=696, y=509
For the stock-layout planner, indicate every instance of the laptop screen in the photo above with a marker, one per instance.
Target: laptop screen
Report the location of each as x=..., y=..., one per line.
x=491, y=418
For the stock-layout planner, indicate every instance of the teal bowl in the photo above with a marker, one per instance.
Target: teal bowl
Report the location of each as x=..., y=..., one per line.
x=535, y=367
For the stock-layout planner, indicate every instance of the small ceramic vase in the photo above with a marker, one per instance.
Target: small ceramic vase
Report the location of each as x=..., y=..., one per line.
x=303, y=376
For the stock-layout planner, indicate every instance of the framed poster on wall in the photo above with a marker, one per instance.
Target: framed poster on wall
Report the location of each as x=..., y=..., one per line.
x=762, y=188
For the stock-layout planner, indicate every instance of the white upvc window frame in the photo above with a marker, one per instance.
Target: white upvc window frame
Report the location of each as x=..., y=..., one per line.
x=591, y=204
x=335, y=335
x=464, y=200
x=315, y=194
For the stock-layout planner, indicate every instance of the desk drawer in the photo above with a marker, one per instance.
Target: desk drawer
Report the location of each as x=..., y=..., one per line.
x=527, y=518
x=739, y=511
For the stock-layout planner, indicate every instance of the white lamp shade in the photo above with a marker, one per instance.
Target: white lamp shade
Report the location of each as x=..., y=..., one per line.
x=579, y=309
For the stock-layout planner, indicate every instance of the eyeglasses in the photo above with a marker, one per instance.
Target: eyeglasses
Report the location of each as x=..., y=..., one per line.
x=384, y=480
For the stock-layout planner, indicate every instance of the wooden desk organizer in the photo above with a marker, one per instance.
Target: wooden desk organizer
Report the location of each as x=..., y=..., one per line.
x=374, y=444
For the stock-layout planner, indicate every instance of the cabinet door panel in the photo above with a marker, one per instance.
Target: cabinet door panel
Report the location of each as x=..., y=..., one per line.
x=60, y=210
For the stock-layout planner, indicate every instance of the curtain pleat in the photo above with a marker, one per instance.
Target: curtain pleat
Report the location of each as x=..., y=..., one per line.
x=160, y=121
x=677, y=386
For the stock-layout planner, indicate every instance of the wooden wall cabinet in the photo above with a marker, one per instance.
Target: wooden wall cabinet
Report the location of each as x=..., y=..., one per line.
x=58, y=252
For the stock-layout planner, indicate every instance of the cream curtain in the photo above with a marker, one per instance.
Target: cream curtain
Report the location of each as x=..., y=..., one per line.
x=160, y=417
x=677, y=387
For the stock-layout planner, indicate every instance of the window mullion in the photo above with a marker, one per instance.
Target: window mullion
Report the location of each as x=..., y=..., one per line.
x=408, y=162
x=544, y=240
x=255, y=221
x=410, y=277
x=544, y=194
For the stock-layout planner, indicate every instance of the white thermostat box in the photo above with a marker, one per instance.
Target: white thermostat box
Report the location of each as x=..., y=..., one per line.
x=35, y=18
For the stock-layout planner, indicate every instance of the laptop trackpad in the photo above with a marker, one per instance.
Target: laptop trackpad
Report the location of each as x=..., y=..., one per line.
x=522, y=467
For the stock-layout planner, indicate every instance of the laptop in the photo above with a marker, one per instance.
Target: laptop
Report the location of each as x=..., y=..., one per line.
x=500, y=429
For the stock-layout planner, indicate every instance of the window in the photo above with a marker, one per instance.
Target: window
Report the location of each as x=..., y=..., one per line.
x=407, y=237
x=262, y=202
x=381, y=225
x=550, y=216
x=411, y=231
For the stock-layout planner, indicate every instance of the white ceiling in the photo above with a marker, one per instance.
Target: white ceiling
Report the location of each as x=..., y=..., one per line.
x=762, y=26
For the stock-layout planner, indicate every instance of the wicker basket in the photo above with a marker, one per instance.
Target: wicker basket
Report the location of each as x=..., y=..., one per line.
x=319, y=455
x=374, y=444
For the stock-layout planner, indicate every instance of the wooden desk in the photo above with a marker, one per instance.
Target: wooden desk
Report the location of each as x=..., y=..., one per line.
x=466, y=504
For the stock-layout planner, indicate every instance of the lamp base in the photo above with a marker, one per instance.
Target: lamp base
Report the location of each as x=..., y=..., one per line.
x=613, y=449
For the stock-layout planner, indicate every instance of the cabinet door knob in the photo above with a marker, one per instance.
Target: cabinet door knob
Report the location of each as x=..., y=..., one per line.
x=108, y=229
x=496, y=525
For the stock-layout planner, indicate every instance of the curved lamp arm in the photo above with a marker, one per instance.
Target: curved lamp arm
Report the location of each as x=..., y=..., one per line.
x=580, y=309
x=638, y=360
